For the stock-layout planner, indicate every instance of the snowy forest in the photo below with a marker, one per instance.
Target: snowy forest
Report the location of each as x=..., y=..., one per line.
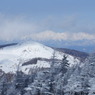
x=59, y=79
x=47, y=47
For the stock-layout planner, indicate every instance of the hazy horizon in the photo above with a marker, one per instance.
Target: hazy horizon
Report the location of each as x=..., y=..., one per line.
x=58, y=23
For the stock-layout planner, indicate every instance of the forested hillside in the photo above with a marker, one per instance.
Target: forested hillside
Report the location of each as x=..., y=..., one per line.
x=59, y=79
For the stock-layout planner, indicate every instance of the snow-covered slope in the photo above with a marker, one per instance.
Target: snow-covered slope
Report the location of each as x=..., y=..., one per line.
x=82, y=78
x=13, y=56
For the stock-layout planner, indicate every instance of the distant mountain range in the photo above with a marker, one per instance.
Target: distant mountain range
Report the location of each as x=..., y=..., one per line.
x=6, y=45
x=78, y=54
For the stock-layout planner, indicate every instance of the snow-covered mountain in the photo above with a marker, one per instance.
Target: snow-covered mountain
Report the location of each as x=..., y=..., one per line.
x=59, y=79
x=15, y=56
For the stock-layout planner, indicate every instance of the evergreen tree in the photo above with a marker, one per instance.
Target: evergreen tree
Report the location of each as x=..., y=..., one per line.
x=64, y=65
x=52, y=74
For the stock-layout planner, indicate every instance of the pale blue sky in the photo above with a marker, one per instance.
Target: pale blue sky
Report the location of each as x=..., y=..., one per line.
x=48, y=7
x=20, y=19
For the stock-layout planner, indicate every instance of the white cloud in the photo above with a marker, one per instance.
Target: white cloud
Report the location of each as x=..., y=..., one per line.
x=17, y=28
x=67, y=36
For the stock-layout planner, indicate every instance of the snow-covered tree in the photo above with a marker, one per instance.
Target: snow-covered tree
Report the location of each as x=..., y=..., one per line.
x=64, y=65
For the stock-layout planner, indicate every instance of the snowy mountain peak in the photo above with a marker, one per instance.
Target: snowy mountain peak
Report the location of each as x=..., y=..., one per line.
x=11, y=56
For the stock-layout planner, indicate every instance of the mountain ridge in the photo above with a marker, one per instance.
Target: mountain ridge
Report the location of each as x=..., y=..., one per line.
x=21, y=53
